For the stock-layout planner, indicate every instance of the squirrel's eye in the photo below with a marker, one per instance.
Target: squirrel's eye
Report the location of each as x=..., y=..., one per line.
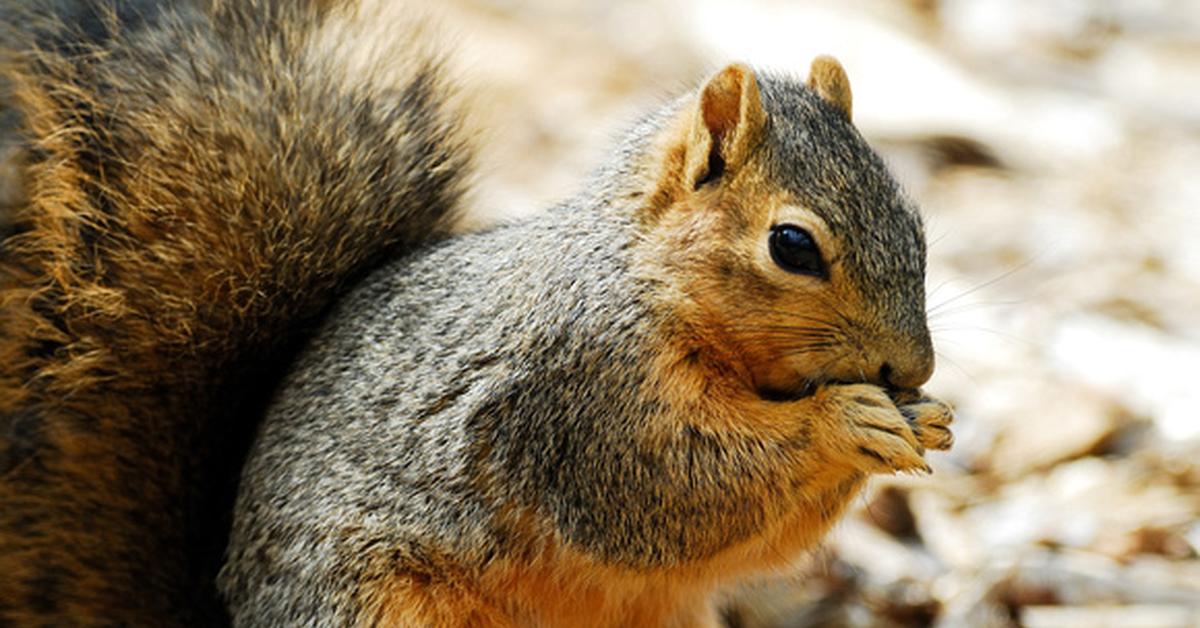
x=795, y=251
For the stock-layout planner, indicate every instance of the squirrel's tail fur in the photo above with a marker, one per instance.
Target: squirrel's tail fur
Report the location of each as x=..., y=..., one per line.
x=199, y=182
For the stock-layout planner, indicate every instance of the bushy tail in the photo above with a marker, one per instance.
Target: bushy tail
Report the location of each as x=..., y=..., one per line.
x=200, y=181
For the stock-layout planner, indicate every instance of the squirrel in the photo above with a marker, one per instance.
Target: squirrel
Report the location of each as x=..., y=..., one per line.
x=602, y=414
x=238, y=223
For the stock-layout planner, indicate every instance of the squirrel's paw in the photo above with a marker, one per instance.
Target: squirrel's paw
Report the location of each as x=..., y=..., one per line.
x=930, y=420
x=877, y=436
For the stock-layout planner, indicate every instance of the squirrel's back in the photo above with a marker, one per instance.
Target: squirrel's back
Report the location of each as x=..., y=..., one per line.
x=199, y=181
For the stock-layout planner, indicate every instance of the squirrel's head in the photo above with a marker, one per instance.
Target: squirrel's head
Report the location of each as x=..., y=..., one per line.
x=790, y=254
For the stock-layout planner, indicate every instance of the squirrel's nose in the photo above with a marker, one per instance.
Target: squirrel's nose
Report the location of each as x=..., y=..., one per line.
x=909, y=368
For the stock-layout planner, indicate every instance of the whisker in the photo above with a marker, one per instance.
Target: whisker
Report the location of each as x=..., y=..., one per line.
x=957, y=367
x=1005, y=335
x=967, y=307
x=938, y=287
x=803, y=350
x=934, y=241
x=1006, y=274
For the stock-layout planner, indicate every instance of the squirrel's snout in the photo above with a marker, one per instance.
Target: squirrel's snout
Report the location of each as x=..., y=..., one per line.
x=910, y=366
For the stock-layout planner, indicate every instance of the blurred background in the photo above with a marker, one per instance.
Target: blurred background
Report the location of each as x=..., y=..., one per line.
x=1055, y=148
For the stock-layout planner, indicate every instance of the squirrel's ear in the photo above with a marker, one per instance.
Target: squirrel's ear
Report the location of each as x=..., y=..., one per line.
x=729, y=118
x=827, y=78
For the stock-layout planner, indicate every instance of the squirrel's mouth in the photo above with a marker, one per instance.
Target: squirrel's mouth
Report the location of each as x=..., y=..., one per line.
x=786, y=384
x=769, y=394
x=899, y=395
x=794, y=393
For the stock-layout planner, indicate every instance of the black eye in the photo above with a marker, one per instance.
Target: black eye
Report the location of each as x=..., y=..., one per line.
x=794, y=250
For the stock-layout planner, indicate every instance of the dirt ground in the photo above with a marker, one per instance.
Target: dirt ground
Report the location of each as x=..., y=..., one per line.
x=1055, y=149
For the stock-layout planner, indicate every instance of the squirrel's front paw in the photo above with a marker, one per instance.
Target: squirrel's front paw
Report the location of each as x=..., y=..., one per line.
x=871, y=431
x=930, y=420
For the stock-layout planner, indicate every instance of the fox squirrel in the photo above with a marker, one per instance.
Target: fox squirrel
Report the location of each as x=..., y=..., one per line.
x=236, y=217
